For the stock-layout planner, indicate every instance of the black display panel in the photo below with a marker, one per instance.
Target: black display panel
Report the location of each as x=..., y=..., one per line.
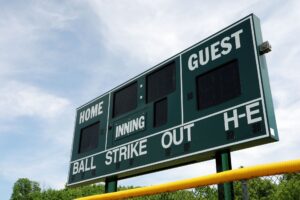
x=89, y=138
x=125, y=100
x=160, y=112
x=218, y=85
x=161, y=82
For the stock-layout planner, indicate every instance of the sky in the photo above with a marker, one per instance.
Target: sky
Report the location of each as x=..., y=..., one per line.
x=57, y=55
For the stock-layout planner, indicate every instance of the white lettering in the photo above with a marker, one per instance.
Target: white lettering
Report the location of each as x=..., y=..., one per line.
x=163, y=142
x=91, y=112
x=126, y=128
x=123, y=153
x=214, y=51
x=119, y=130
x=171, y=137
x=108, y=158
x=130, y=127
x=177, y=142
x=226, y=46
x=126, y=152
x=142, y=122
x=234, y=118
x=100, y=105
x=189, y=131
x=75, y=168
x=115, y=154
x=237, y=39
x=143, y=147
x=81, y=166
x=192, y=62
x=81, y=117
x=133, y=151
x=201, y=56
x=94, y=110
x=92, y=163
x=87, y=114
x=135, y=125
x=86, y=168
x=250, y=113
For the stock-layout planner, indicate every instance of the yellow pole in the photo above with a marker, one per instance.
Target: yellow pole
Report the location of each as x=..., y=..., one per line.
x=222, y=177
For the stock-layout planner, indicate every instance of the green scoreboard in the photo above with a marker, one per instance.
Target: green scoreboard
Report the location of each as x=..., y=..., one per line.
x=210, y=97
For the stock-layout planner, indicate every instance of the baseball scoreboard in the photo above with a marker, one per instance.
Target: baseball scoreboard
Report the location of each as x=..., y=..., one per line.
x=212, y=96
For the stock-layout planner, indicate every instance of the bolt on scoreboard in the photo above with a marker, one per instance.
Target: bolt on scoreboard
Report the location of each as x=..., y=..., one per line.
x=212, y=96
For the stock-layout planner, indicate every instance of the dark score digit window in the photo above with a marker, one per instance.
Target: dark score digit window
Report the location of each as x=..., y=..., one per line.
x=160, y=83
x=89, y=138
x=160, y=112
x=125, y=100
x=218, y=85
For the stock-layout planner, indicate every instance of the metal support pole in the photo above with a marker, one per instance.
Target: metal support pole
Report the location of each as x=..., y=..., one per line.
x=245, y=190
x=111, y=185
x=223, y=163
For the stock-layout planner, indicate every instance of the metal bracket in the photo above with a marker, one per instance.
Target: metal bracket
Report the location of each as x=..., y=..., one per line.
x=265, y=47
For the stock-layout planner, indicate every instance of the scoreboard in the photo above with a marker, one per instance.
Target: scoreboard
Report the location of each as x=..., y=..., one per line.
x=212, y=96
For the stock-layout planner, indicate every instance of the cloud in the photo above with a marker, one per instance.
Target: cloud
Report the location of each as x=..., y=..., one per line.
x=41, y=118
x=47, y=166
x=21, y=32
x=44, y=120
x=169, y=175
x=19, y=99
x=36, y=121
x=157, y=30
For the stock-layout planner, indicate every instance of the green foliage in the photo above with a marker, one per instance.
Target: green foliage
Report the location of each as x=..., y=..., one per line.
x=24, y=189
x=258, y=189
x=71, y=193
x=206, y=193
x=286, y=187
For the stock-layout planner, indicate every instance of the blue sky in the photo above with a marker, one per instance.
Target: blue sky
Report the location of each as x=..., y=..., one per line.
x=57, y=55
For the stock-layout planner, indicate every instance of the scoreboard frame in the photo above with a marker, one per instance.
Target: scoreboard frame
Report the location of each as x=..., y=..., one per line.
x=163, y=124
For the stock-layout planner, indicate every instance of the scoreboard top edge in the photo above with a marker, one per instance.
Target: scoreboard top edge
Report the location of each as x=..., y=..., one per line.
x=250, y=16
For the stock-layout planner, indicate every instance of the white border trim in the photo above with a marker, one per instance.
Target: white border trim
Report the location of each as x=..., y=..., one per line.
x=107, y=121
x=181, y=90
x=259, y=76
x=72, y=146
